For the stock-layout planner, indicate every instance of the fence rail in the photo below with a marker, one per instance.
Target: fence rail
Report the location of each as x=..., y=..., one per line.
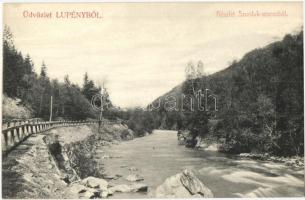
x=14, y=135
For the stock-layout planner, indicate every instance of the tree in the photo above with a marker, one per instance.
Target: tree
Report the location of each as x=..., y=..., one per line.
x=43, y=71
x=35, y=90
x=89, y=89
x=196, y=119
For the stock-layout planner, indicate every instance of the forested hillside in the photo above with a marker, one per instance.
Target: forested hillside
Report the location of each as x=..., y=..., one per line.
x=259, y=100
x=27, y=94
x=31, y=92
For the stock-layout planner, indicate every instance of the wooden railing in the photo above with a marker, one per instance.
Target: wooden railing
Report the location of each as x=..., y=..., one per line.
x=15, y=133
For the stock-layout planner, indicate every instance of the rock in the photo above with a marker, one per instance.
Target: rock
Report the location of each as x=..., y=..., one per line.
x=110, y=192
x=127, y=134
x=50, y=166
x=133, y=169
x=28, y=177
x=183, y=185
x=104, y=143
x=93, y=182
x=294, y=162
x=77, y=188
x=115, y=142
x=212, y=147
x=82, y=192
x=244, y=155
x=105, y=194
x=134, y=177
x=89, y=193
x=111, y=177
x=182, y=136
x=299, y=162
x=289, y=163
x=105, y=157
x=202, y=145
x=119, y=188
x=198, y=141
x=194, y=185
x=123, y=166
x=197, y=196
x=136, y=187
x=172, y=188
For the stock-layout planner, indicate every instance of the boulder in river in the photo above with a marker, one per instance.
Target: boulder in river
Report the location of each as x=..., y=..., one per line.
x=89, y=193
x=133, y=169
x=111, y=176
x=183, y=185
x=83, y=192
x=93, y=182
x=134, y=177
x=182, y=136
x=127, y=134
x=136, y=187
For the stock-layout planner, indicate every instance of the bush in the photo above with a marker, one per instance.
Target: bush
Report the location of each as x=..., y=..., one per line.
x=141, y=121
x=12, y=109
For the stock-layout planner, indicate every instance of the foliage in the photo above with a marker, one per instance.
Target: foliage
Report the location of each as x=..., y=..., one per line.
x=267, y=88
x=89, y=89
x=11, y=109
x=141, y=121
x=259, y=99
x=21, y=82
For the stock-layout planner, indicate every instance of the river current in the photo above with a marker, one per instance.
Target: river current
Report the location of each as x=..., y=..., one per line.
x=159, y=156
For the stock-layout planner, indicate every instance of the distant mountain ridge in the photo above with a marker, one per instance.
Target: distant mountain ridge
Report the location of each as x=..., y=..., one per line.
x=238, y=67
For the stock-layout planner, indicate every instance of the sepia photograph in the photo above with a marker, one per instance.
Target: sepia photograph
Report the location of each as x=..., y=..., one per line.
x=139, y=100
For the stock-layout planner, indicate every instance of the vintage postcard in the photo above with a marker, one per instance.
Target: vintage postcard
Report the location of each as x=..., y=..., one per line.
x=152, y=100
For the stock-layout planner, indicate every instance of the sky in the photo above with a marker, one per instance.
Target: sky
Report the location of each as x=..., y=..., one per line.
x=142, y=49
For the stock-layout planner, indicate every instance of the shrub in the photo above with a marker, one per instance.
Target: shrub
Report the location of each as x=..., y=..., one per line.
x=12, y=109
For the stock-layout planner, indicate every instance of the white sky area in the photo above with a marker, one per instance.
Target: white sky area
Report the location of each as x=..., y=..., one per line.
x=142, y=49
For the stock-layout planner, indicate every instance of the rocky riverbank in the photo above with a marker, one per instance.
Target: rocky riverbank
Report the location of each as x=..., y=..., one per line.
x=210, y=144
x=60, y=164
x=295, y=161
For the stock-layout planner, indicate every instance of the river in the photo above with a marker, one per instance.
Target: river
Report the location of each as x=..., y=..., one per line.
x=159, y=156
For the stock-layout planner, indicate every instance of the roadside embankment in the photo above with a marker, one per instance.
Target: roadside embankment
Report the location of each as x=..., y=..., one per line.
x=47, y=165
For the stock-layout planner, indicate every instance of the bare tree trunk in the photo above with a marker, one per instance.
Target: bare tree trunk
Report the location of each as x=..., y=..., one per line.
x=100, y=120
x=101, y=113
x=51, y=108
x=40, y=105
